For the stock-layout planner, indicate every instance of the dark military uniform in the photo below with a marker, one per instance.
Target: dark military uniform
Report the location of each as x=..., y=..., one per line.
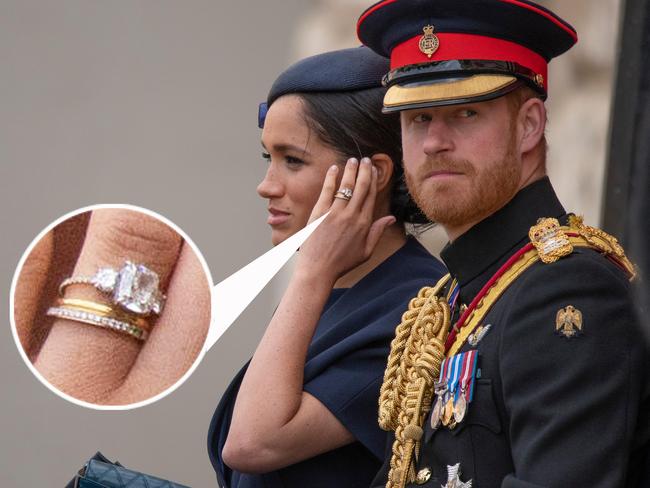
x=556, y=392
x=548, y=410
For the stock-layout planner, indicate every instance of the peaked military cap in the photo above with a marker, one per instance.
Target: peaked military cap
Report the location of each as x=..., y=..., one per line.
x=445, y=52
x=350, y=69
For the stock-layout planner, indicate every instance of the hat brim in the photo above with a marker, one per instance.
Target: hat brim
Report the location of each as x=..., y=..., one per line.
x=476, y=88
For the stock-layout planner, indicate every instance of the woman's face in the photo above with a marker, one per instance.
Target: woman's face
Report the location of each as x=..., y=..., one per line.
x=298, y=161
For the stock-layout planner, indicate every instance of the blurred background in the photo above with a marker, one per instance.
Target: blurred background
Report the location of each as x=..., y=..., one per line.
x=154, y=103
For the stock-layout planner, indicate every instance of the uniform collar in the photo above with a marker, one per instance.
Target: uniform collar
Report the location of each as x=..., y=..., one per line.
x=500, y=235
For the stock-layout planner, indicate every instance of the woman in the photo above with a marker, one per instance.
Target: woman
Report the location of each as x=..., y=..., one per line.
x=304, y=411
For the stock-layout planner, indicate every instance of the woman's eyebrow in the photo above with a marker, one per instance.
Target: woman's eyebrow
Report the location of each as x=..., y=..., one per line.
x=283, y=147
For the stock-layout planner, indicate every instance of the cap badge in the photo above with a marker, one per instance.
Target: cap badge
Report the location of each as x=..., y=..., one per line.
x=429, y=42
x=568, y=322
x=539, y=80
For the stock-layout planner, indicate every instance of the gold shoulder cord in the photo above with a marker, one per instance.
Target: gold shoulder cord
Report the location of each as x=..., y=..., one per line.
x=413, y=365
x=586, y=237
x=601, y=241
x=418, y=348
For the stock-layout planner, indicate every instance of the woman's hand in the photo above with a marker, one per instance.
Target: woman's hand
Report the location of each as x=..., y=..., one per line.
x=92, y=363
x=349, y=234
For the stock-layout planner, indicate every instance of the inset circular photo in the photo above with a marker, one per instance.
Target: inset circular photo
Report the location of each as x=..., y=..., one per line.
x=110, y=306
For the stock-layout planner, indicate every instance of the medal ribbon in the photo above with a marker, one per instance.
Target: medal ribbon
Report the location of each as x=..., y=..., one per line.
x=459, y=373
x=455, y=373
x=469, y=373
x=473, y=364
x=452, y=297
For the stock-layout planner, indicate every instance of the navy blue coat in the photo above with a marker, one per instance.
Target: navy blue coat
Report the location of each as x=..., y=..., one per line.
x=344, y=370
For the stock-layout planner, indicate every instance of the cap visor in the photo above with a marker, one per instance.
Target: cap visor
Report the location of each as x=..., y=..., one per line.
x=447, y=92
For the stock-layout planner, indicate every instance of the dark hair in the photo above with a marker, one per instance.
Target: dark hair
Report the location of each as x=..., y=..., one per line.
x=352, y=124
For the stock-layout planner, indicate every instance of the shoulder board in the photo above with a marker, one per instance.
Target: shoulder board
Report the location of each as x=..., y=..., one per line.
x=554, y=242
x=548, y=242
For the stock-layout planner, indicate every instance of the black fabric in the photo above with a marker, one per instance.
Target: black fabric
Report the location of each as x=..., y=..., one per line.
x=389, y=23
x=330, y=72
x=547, y=411
x=344, y=370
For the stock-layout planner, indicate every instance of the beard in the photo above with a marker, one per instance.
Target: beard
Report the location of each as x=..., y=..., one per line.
x=470, y=197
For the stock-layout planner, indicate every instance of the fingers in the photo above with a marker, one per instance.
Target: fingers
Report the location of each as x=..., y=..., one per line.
x=361, y=186
x=29, y=288
x=326, y=195
x=347, y=182
x=85, y=361
x=49, y=263
x=178, y=337
x=368, y=205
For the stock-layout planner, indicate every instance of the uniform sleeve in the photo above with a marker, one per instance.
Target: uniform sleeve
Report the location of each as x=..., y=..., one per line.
x=572, y=403
x=349, y=385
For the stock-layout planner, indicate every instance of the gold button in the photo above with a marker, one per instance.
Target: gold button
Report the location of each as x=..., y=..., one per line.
x=423, y=476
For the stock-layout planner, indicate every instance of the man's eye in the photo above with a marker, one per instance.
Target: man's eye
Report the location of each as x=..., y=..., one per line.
x=468, y=112
x=419, y=118
x=266, y=156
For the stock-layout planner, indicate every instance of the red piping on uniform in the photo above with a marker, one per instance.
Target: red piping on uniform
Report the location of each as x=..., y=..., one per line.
x=547, y=15
x=369, y=11
x=508, y=264
x=461, y=321
x=541, y=12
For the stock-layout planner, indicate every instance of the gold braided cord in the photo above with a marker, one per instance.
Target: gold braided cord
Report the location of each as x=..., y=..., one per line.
x=413, y=366
x=602, y=241
x=418, y=349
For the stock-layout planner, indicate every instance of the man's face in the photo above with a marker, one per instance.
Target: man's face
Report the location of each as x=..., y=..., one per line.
x=461, y=161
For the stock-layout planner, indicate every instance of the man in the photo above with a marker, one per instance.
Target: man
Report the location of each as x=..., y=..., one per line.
x=525, y=366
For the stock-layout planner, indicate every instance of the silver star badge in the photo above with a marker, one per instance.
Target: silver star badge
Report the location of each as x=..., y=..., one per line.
x=453, y=478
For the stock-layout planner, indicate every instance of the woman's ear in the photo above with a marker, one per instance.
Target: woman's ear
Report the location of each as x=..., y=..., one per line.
x=385, y=167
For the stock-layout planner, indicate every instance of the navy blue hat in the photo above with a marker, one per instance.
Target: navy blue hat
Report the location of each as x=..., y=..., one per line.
x=344, y=70
x=455, y=51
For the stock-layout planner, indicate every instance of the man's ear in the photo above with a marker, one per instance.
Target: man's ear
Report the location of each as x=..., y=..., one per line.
x=385, y=168
x=532, y=121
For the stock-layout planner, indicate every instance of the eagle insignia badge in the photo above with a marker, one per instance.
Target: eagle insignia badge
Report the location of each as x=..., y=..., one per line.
x=568, y=322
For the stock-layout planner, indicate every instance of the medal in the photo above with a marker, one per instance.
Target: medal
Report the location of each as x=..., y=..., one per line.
x=440, y=388
x=454, y=390
x=448, y=414
x=436, y=413
x=460, y=407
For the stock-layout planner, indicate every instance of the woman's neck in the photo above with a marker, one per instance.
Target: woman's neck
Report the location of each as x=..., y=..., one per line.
x=391, y=240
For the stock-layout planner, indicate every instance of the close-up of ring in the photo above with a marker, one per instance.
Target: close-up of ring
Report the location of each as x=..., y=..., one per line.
x=99, y=319
x=134, y=287
x=344, y=194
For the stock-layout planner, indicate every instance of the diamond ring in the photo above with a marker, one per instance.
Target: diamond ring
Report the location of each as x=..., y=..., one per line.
x=344, y=194
x=134, y=287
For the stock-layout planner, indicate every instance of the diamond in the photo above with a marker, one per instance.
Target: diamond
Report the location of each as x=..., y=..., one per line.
x=137, y=289
x=105, y=279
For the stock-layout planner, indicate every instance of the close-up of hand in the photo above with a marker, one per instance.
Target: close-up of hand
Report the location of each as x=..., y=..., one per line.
x=96, y=363
x=349, y=234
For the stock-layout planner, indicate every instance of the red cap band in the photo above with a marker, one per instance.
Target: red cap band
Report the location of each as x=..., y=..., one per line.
x=469, y=46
